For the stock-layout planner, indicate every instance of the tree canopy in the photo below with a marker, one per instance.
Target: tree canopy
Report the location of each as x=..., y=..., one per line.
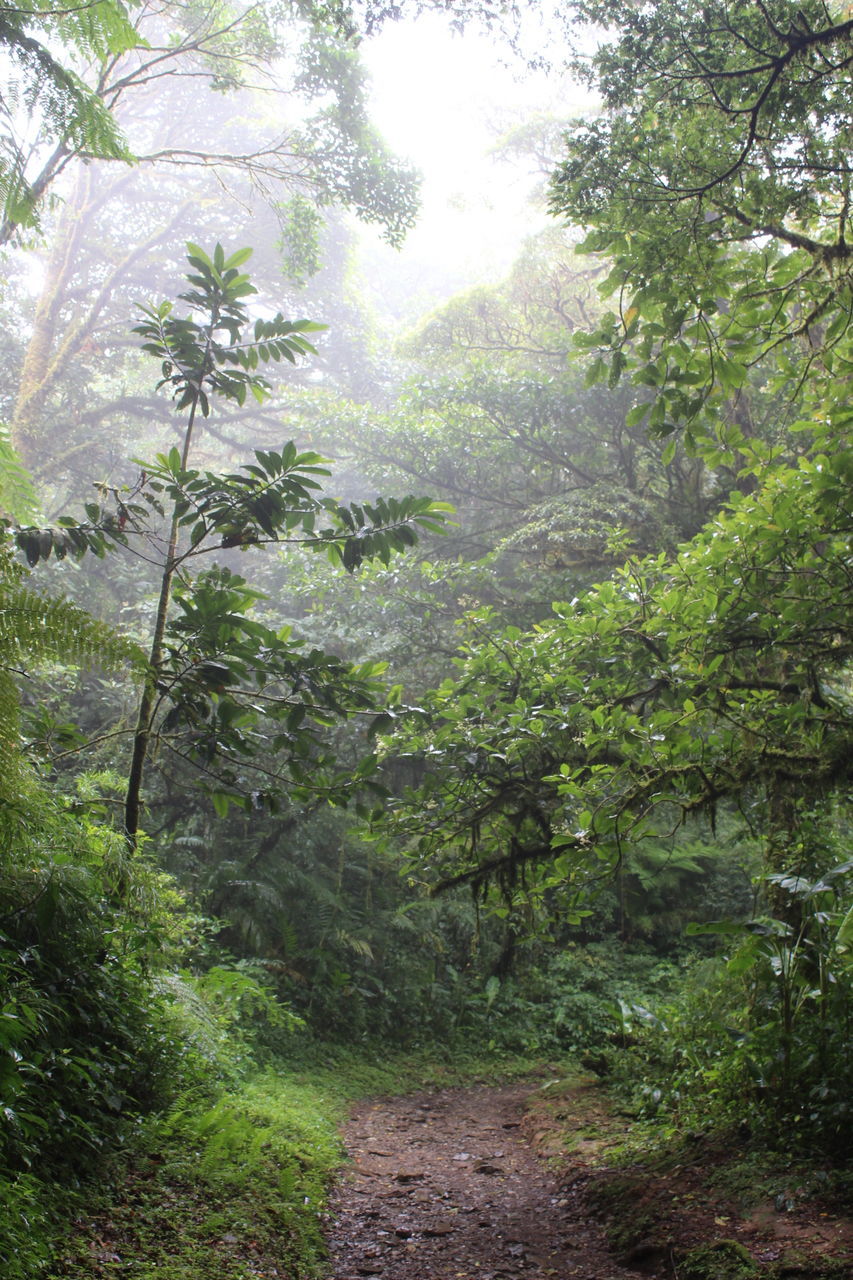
x=101, y=96
x=716, y=183
x=47, y=86
x=719, y=675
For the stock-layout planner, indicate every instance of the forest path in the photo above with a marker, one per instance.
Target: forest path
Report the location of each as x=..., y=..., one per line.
x=446, y=1185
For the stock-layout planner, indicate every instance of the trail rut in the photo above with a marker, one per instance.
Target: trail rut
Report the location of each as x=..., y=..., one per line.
x=446, y=1186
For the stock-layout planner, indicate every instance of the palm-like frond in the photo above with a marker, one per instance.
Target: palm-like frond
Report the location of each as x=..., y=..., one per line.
x=37, y=81
x=36, y=627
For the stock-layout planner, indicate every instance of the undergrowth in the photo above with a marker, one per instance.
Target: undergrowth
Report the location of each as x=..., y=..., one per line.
x=230, y=1190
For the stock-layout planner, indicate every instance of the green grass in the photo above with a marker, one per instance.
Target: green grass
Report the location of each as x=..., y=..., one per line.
x=233, y=1191
x=344, y=1075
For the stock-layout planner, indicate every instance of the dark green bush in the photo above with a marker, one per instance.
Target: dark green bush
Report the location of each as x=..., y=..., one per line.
x=759, y=1037
x=89, y=1037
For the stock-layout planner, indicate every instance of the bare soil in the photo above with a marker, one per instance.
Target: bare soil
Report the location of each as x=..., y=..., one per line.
x=508, y=1183
x=448, y=1185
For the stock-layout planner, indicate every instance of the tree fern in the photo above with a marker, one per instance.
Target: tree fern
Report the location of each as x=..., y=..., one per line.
x=35, y=627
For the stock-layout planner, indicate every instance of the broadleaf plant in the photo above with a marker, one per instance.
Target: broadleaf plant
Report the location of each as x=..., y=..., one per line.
x=222, y=689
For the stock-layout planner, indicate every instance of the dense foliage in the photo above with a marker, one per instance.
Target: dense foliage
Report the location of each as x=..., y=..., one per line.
x=726, y=230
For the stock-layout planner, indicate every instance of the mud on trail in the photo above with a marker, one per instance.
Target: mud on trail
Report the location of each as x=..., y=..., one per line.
x=447, y=1186
x=457, y=1185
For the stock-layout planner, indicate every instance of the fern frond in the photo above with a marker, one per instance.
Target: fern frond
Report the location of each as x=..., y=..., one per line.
x=34, y=627
x=18, y=498
x=97, y=30
x=71, y=112
x=356, y=946
x=9, y=757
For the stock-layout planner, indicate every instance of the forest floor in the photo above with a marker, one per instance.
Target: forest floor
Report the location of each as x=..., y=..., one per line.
x=512, y=1183
x=536, y=1177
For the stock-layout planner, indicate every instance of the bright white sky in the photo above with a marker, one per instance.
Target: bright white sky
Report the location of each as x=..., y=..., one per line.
x=442, y=100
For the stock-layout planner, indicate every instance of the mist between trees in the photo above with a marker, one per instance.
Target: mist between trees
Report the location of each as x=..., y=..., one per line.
x=549, y=748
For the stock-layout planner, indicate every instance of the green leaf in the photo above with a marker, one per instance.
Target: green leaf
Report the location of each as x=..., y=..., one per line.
x=238, y=258
x=196, y=254
x=221, y=801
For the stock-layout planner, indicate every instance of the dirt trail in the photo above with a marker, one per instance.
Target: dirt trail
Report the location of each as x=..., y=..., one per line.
x=445, y=1186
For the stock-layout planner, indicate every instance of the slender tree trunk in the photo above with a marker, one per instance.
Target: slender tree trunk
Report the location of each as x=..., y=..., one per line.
x=148, y=701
